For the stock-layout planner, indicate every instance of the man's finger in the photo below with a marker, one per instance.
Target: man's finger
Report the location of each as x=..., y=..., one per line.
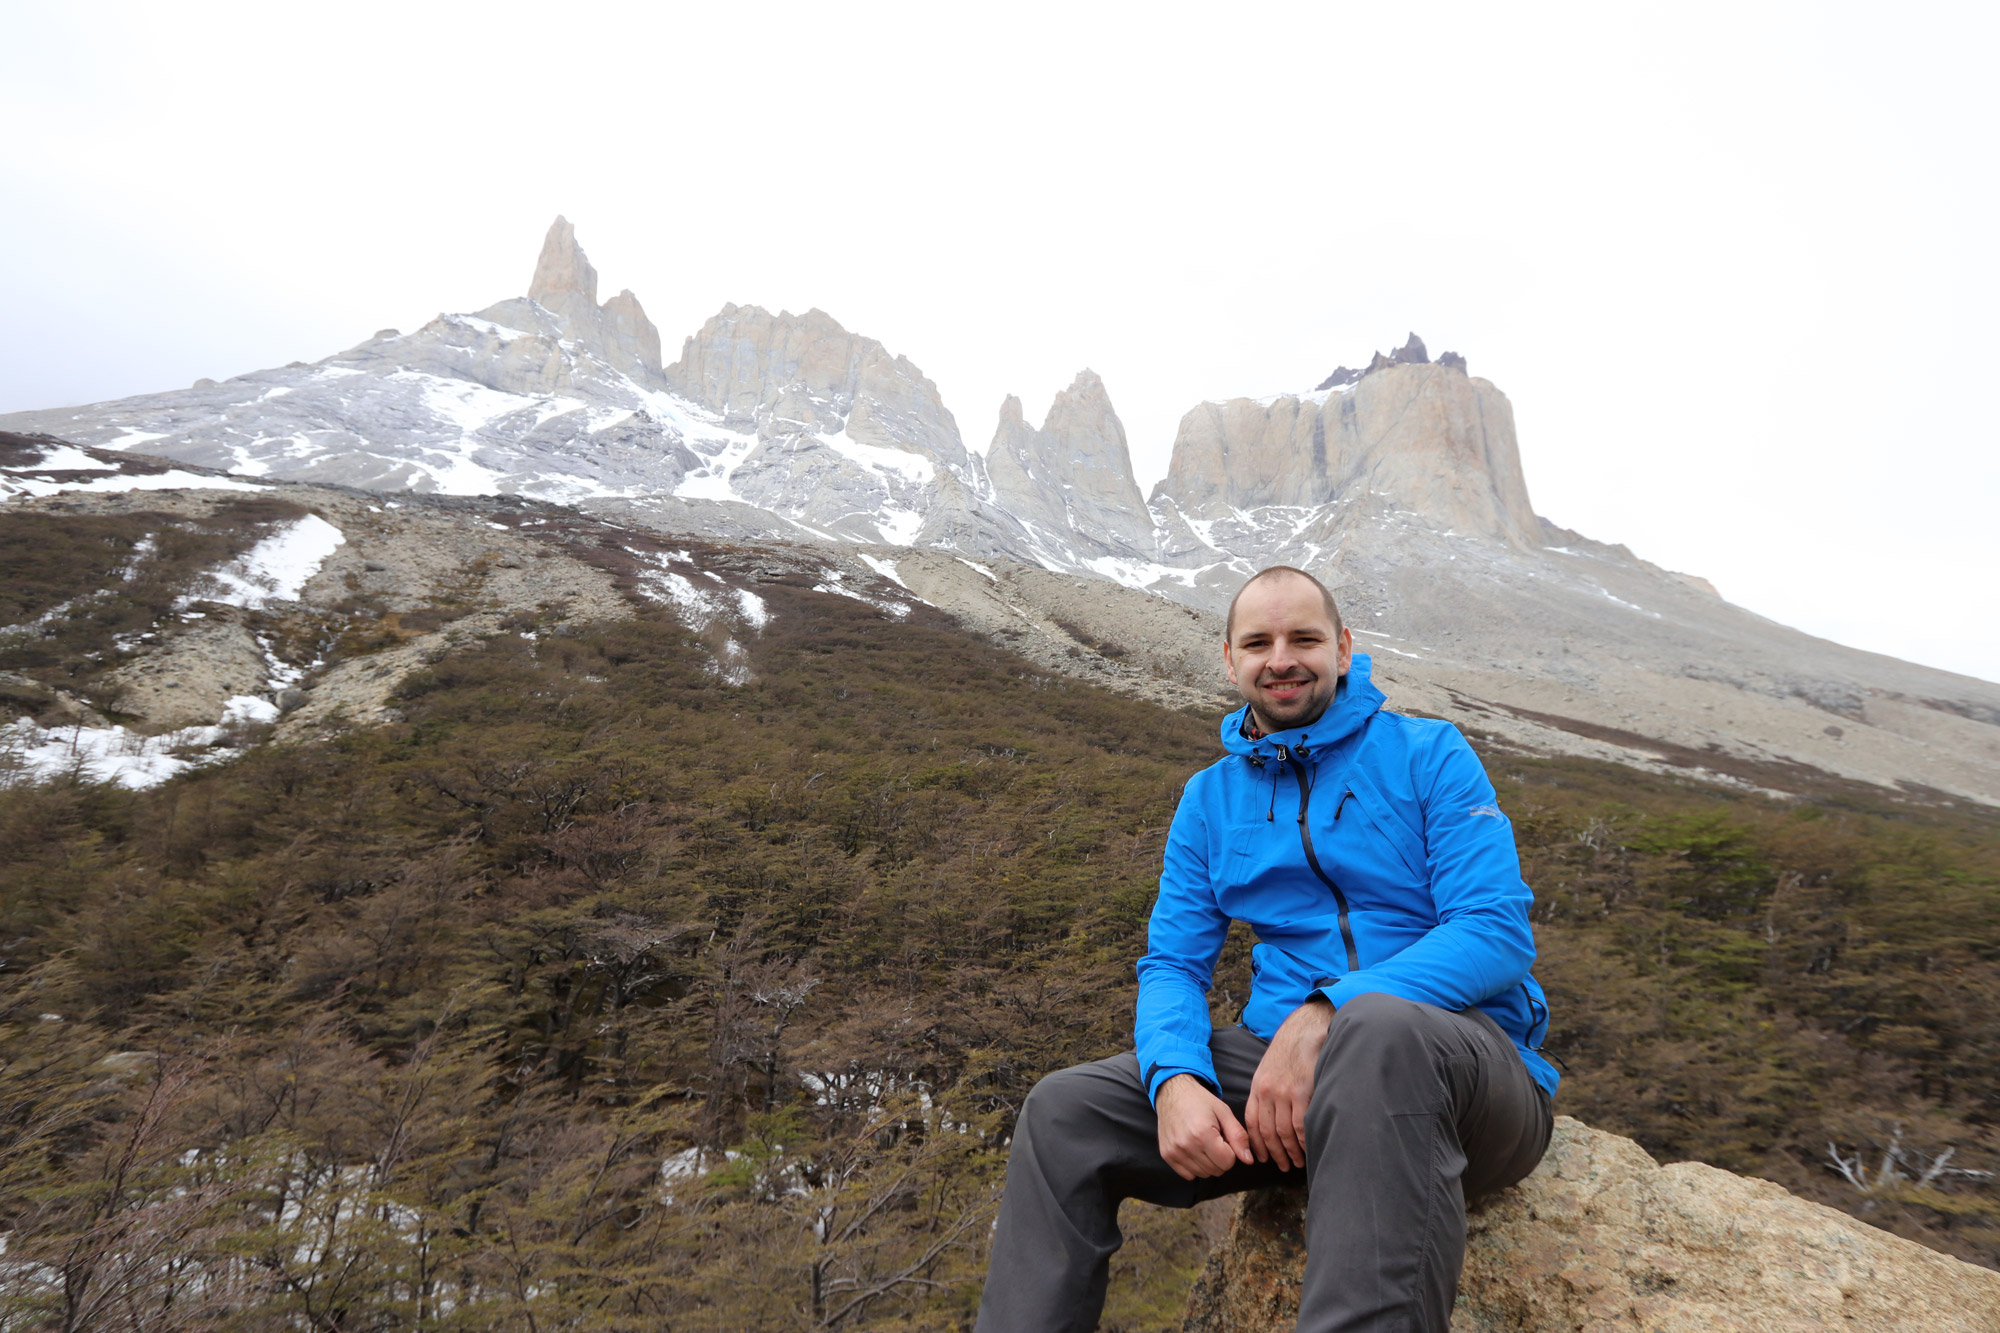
x=1217, y=1156
x=1238, y=1140
x=1288, y=1118
x=1253, y=1125
x=1282, y=1149
x=1281, y=1127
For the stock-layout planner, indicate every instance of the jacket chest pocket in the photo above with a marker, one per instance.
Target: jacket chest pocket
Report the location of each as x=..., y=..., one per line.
x=1380, y=835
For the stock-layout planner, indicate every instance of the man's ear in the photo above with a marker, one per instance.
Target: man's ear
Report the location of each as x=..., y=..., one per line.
x=1346, y=649
x=1228, y=663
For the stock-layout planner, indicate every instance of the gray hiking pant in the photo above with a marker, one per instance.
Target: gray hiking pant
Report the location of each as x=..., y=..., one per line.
x=1414, y=1110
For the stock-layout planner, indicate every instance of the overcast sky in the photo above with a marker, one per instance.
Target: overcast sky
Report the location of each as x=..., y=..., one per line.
x=1733, y=264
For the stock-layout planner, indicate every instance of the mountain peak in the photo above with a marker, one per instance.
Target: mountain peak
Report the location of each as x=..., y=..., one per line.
x=1071, y=481
x=562, y=270
x=1082, y=420
x=1411, y=353
x=1442, y=445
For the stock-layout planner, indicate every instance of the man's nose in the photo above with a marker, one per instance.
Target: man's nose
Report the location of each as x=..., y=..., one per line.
x=1281, y=658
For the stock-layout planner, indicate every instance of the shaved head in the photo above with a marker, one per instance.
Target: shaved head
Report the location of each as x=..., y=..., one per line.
x=1281, y=571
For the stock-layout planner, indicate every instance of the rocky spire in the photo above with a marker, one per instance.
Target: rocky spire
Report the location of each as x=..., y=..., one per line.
x=563, y=272
x=629, y=327
x=565, y=286
x=1411, y=353
x=1072, y=479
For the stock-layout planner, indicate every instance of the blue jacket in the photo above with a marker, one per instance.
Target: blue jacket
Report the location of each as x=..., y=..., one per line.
x=1417, y=891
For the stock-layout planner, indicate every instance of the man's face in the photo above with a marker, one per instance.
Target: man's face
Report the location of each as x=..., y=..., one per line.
x=1285, y=657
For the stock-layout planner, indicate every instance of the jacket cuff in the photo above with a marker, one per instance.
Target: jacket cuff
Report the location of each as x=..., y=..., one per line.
x=1340, y=991
x=1157, y=1075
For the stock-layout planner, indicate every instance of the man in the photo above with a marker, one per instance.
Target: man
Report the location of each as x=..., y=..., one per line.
x=1387, y=1052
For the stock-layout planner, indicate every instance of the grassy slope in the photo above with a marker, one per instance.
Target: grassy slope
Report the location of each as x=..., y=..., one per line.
x=457, y=986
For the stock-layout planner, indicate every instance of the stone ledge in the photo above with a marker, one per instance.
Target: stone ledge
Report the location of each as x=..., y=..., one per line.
x=1601, y=1237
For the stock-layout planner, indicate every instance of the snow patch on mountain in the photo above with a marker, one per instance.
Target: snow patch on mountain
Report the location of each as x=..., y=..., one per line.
x=276, y=568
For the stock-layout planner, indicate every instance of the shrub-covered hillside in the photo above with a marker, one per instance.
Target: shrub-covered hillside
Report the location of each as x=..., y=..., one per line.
x=596, y=994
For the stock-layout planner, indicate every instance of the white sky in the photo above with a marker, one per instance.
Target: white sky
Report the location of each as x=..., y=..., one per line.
x=1733, y=264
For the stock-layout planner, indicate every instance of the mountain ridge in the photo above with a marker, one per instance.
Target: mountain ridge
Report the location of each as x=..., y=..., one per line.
x=1401, y=487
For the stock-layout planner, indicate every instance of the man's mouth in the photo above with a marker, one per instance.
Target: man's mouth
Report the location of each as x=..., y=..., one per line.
x=1285, y=689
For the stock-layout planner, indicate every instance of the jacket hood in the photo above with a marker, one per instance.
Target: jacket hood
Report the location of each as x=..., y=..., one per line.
x=1354, y=702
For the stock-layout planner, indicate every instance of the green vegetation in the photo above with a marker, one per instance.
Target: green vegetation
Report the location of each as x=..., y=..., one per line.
x=398, y=1030
x=1746, y=982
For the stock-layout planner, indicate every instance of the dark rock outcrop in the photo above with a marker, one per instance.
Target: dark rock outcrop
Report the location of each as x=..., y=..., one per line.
x=1411, y=353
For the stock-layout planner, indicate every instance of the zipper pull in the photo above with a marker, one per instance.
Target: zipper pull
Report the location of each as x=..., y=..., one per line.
x=1345, y=797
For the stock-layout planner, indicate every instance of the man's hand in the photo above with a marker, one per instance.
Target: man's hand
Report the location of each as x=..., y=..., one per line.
x=1283, y=1084
x=1199, y=1135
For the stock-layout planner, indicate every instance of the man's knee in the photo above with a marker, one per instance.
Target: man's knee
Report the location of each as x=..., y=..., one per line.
x=1377, y=1043
x=1064, y=1104
x=1379, y=1019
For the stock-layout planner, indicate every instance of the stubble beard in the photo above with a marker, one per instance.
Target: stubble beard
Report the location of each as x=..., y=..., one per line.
x=1305, y=710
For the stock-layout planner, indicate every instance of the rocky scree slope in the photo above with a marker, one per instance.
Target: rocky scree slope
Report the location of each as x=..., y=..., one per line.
x=1400, y=484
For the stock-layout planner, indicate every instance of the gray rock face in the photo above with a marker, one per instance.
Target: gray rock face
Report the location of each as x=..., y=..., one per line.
x=840, y=438
x=1070, y=483
x=1313, y=480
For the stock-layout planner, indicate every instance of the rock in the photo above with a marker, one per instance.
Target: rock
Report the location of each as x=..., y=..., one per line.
x=1411, y=353
x=565, y=285
x=204, y=383
x=562, y=271
x=630, y=328
x=193, y=673
x=48, y=706
x=1453, y=361
x=1339, y=379
x=1071, y=481
x=1601, y=1237
x=853, y=440
x=1413, y=438
x=778, y=373
x=1697, y=582
x=381, y=334
x=127, y=1066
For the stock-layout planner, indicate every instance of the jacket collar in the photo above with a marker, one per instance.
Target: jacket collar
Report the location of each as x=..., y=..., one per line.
x=1354, y=702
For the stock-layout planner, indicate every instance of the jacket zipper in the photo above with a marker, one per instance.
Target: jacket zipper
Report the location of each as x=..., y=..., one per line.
x=1312, y=857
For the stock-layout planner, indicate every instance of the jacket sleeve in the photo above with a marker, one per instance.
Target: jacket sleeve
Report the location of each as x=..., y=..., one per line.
x=1482, y=943
x=1183, y=942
